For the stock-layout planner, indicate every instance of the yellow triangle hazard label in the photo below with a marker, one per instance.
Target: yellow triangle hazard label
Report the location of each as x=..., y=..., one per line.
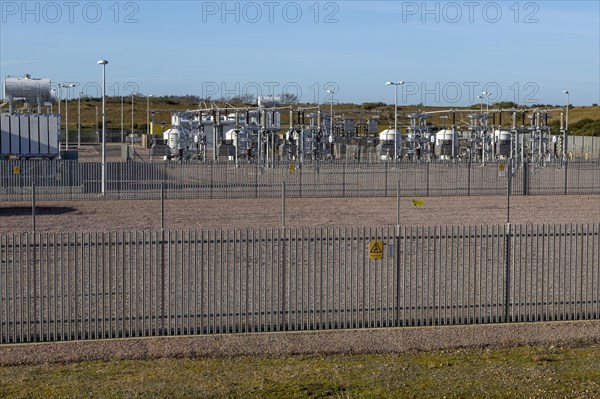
x=376, y=249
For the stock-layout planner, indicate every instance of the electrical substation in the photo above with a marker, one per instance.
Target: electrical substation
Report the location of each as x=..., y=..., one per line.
x=272, y=132
x=244, y=134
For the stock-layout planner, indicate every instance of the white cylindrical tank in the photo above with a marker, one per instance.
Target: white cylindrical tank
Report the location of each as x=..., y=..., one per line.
x=502, y=135
x=387, y=135
x=229, y=136
x=171, y=137
x=385, y=148
x=27, y=88
x=241, y=140
x=446, y=143
x=268, y=101
x=502, y=143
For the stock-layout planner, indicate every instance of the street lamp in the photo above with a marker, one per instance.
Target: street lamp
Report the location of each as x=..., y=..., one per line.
x=132, y=94
x=103, y=63
x=565, y=133
x=331, y=112
x=487, y=105
x=59, y=98
x=79, y=119
x=395, y=84
x=122, y=118
x=148, y=114
x=97, y=137
x=67, y=114
x=480, y=104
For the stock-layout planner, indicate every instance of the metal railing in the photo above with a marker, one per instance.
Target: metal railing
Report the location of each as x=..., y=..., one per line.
x=68, y=286
x=72, y=180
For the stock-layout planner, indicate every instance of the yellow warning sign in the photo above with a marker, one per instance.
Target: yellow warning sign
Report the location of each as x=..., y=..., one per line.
x=292, y=168
x=417, y=202
x=376, y=249
x=501, y=167
x=16, y=170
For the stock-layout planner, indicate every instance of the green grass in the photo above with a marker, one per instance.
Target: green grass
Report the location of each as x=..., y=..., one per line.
x=533, y=372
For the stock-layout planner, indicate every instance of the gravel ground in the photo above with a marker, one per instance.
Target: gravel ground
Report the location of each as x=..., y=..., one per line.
x=234, y=214
x=389, y=340
x=356, y=212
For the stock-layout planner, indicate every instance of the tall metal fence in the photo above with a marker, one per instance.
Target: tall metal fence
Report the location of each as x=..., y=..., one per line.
x=73, y=286
x=72, y=180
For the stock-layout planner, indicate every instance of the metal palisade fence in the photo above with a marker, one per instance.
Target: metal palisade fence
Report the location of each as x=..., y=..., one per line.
x=67, y=180
x=69, y=286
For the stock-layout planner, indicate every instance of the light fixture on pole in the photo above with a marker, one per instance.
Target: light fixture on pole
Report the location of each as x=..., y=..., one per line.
x=487, y=105
x=97, y=136
x=122, y=118
x=331, y=112
x=395, y=84
x=59, y=96
x=148, y=114
x=67, y=114
x=103, y=63
x=132, y=94
x=480, y=104
x=566, y=131
x=79, y=119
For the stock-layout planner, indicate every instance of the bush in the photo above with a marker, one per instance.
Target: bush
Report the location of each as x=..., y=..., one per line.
x=585, y=127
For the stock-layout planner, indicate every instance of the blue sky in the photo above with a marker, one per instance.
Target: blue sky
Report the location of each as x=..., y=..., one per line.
x=446, y=52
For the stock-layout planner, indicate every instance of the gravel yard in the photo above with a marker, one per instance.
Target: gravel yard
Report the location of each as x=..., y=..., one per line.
x=352, y=212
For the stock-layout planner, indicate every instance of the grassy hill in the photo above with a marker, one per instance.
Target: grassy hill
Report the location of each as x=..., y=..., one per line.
x=583, y=120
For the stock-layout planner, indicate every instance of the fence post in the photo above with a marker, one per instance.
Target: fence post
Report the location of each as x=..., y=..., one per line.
x=525, y=177
x=509, y=189
x=258, y=170
x=386, y=179
x=212, y=180
x=566, y=174
x=33, y=207
x=427, y=172
x=398, y=283
x=162, y=263
x=344, y=180
x=300, y=178
x=283, y=204
x=283, y=251
x=507, y=238
x=398, y=202
x=398, y=287
x=469, y=177
x=35, y=311
x=162, y=205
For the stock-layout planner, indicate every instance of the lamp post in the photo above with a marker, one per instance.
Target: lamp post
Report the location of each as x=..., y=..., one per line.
x=79, y=119
x=331, y=112
x=103, y=63
x=565, y=133
x=132, y=94
x=148, y=114
x=395, y=84
x=480, y=104
x=487, y=105
x=97, y=137
x=59, y=98
x=67, y=114
x=122, y=118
